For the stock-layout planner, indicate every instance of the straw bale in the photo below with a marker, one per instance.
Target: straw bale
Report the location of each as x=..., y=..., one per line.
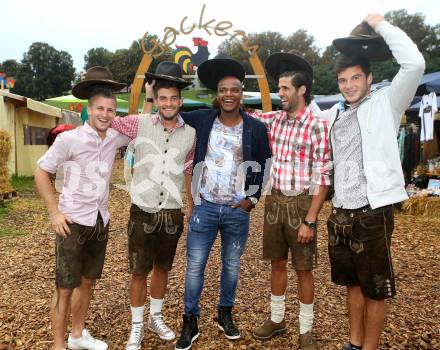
x=5, y=148
x=423, y=206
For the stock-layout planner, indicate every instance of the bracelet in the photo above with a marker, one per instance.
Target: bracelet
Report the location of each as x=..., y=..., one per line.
x=149, y=99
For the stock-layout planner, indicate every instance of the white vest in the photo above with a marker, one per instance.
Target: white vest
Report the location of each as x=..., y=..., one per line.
x=158, y=176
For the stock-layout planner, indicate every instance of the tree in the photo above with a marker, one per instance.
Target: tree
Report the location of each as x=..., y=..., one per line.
x=126, y=61
x=269, y=43
x=97, y=57
x=305, y=44
x=10, y=68
x=44, y=72
x=425, y=36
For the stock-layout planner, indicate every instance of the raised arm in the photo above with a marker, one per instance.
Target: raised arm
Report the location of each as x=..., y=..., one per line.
x=412, y=65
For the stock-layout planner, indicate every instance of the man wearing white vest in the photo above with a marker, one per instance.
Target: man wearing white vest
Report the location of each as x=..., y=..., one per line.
x=368, y=175
x=163, y=155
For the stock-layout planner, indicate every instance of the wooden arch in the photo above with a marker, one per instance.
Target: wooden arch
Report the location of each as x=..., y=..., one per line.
x=220, y=29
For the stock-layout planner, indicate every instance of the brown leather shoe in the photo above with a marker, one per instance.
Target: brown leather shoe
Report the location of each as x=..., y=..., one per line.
x=307, y=342
x=268, y=329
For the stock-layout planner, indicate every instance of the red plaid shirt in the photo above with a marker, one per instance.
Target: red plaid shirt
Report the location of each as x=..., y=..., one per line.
x=300, y=147
x=129, y=126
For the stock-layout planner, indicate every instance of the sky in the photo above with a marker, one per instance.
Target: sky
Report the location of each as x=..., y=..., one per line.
x=77, y=26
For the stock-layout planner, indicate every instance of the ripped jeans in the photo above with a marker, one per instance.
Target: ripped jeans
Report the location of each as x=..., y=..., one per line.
x=207, y=219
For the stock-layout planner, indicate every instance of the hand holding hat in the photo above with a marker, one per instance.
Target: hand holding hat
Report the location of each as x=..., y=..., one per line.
x=364, y=41
x=373, y=20
x=168, y=71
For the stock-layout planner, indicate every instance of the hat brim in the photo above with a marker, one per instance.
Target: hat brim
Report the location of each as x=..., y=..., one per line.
x=282, y=62
x=181, y=83
x=82, y=89
x=373, y=48
x=212, y=71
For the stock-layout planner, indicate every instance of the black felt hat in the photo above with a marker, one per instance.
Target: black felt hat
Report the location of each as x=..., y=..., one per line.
x=95, y=76
x=363, y=41
x=168, y=71
x=212, y=71
x=281, y=62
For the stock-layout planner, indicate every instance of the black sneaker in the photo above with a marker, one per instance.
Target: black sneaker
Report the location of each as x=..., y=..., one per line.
x=226, y=324
x=190, y=332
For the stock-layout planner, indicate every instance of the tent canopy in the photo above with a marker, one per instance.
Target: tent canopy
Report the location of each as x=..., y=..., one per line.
x=430, y=83
x=415, y=107
x=256, y=100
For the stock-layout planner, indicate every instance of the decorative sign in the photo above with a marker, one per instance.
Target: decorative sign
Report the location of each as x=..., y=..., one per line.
x=6, y=83
x=188, y=59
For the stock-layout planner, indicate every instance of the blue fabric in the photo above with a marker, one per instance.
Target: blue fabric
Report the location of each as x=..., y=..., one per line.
x=205, y=222
x=255, y=144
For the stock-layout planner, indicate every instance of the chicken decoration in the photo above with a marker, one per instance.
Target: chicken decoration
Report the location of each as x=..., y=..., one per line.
x=188, y=60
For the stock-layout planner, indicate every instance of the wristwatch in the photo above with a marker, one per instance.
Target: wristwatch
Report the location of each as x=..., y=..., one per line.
x=311, y=224
x=253, y=200
x=149, y=99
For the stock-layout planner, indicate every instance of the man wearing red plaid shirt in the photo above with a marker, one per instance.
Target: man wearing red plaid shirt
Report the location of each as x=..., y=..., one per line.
x=300, y=180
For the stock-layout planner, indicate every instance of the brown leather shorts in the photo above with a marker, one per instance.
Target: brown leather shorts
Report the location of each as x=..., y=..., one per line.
x=153, y=238
x=82, y=253
x=359, y=248
x=283, y=215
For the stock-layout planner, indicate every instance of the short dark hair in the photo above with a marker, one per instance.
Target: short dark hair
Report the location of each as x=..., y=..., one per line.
x=100, y=91
x=343, y=62
x=164, y=84
x=299, y=79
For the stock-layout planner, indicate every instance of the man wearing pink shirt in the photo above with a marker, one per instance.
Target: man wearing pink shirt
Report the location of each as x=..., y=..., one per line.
x=81, y=218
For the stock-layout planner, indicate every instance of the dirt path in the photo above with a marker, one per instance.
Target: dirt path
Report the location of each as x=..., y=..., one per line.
x=27, y=280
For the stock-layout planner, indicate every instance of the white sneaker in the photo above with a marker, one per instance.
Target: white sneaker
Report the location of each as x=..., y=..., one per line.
x=136, y=336
x=85, y=342
x=158, y=326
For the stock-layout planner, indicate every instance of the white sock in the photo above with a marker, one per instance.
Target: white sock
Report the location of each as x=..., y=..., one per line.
x=277, y=307
x=155, y=306
x=305, y=317
x=137, y=314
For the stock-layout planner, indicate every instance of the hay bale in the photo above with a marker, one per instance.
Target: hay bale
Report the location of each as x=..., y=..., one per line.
x=422, y=206
x=5, y=149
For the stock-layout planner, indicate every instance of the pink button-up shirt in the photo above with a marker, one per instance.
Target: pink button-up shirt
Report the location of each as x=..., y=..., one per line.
x=87, y=162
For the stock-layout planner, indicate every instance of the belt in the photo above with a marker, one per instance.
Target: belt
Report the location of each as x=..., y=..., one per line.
x=279, y=192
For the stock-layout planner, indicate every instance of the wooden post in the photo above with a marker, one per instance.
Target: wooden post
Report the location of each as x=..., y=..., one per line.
x=138, y=82
x=258, y=69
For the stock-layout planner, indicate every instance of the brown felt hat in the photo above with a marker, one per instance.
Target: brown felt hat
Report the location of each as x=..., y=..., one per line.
x=363, y=41
x=95, y=76
x=281, y=62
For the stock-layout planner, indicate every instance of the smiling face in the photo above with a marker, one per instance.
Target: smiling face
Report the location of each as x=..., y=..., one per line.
x=101, y=111
x=354, y=84
x=168, y=102
x=229, y=93
x=292, y=98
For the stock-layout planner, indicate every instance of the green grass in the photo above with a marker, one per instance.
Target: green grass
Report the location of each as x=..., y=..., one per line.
x=10, y=232
x=4, y=209
x=21, y=183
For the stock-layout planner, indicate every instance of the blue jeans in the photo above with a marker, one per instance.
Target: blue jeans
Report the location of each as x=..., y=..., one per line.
x=206, y=220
